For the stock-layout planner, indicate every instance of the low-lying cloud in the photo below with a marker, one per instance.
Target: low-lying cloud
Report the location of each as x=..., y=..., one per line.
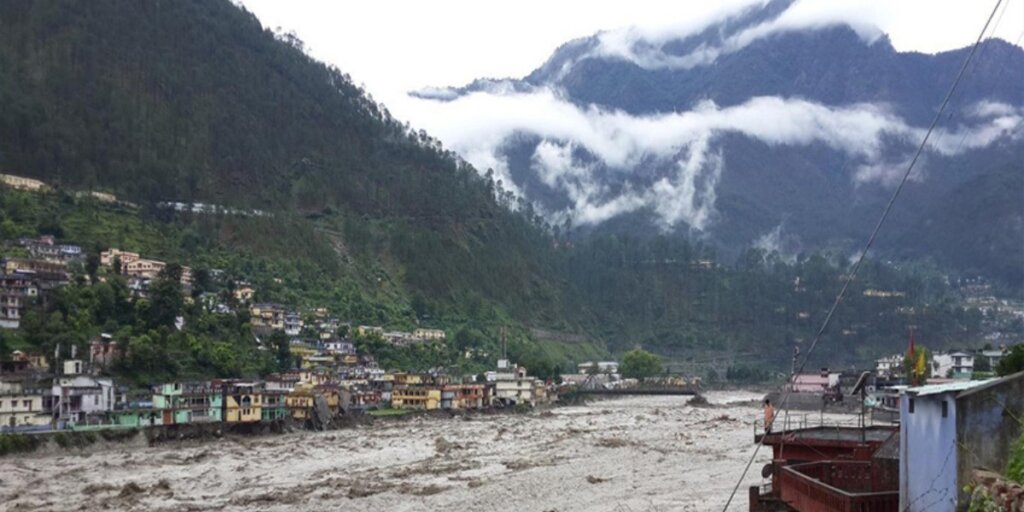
x=478, y=125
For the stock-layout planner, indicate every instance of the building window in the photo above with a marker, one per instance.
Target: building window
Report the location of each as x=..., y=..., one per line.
x=910, y=406
x=945, y=408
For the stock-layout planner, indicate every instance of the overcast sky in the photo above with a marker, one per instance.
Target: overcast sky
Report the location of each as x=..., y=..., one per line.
x=393, y=46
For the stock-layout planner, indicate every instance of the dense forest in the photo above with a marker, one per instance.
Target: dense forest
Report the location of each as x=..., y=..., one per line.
x=195, y=101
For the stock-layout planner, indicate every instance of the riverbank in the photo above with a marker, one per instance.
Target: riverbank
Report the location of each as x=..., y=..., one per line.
x=638, y=453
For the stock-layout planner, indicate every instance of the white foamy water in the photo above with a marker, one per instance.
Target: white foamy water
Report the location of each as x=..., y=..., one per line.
x=625, y=454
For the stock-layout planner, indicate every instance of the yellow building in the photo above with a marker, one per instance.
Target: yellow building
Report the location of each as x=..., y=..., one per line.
x=244, y=292
x=421, y=398
x=21, y=408
x=108, y=256
x=267, y=315
x=243, y=403
x=300, y=402
x=366, y=330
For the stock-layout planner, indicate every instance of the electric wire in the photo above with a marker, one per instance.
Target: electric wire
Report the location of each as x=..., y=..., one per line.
x=871, y=240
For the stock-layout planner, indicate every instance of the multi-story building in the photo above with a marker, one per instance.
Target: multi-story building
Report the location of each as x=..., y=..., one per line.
x=416, y=397
x=428, y=334
x=956, y=364
x=16, y=291
x=103, y=351
x=243, y=401
x=889, y=366
x=21, y=406
x=515, y=387
x=188, y=402
x=144, y=268
x=269, y=316
x=292, y=323
x=78, y=398
x=47, y=248
x=22, y=183
x=27, y=265
x=109, y=256
x=462, y=396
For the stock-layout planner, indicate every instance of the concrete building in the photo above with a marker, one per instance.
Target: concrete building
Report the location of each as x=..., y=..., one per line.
x=270, y=316
x=292, y=323
x=21, y=407
x=47, y=248
x=428, y=334
x=946, y=430
x=889, y=366
x=17, y=290
x=22, y=183
x=103, y=352
x=244, y=292
x=511, y=388
x=416, y=397
x=590, y=367
x=953, y=365
x=814, y=382
x=108, y=257
x=79, y=398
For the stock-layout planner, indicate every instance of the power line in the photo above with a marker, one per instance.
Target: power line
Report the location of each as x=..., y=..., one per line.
x=871, y=239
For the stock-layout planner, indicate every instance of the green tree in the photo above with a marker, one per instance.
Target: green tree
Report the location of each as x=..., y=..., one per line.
x=640, y=364
x=1012, y=362
x=282, y=352
x=165, y=300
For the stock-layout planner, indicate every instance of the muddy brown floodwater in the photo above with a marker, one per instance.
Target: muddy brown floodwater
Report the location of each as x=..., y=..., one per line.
x=623, y=454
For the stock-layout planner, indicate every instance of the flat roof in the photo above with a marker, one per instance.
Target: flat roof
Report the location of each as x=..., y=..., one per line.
x=842, y=434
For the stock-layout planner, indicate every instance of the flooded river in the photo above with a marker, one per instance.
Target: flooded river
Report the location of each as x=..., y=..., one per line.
x=623, y=454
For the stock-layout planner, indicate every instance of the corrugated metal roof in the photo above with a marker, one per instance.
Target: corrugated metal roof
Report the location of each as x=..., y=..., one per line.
x=951, y=387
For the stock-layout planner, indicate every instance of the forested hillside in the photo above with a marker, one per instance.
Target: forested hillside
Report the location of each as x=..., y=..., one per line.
x=728, y=129
x=195, y=101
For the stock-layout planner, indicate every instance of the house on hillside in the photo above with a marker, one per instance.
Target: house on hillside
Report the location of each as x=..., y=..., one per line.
x=47, y=248
x=267, y=315
x=109, y=256
x=428, y=334
x=22, y=183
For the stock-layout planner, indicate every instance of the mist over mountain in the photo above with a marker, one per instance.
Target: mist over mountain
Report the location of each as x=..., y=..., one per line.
x=778, y=122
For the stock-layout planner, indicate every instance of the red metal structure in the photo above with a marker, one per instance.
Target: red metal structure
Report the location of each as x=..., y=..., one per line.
x=826, y=468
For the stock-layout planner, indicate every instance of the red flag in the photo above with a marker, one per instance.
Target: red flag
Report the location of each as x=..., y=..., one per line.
x=910, y=351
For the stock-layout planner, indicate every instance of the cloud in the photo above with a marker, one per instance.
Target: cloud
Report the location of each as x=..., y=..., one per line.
x=684, y=146
x=644, y=46
x=786, y=246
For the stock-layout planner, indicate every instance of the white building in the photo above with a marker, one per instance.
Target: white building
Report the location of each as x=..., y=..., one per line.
x=889, y=365
x=956, y=365
x=602, y=367
x=77, y=396
x=514, y=387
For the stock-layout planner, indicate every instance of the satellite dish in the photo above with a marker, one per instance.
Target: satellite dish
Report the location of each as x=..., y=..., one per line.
x=861, y=383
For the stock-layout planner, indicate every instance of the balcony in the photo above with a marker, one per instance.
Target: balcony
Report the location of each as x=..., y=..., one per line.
x=841, y=486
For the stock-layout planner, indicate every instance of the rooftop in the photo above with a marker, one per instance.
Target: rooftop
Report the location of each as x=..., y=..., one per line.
x=949, y=387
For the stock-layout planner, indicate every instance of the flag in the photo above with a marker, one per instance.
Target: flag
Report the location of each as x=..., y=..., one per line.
x=910, y=351
x=921, y=366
